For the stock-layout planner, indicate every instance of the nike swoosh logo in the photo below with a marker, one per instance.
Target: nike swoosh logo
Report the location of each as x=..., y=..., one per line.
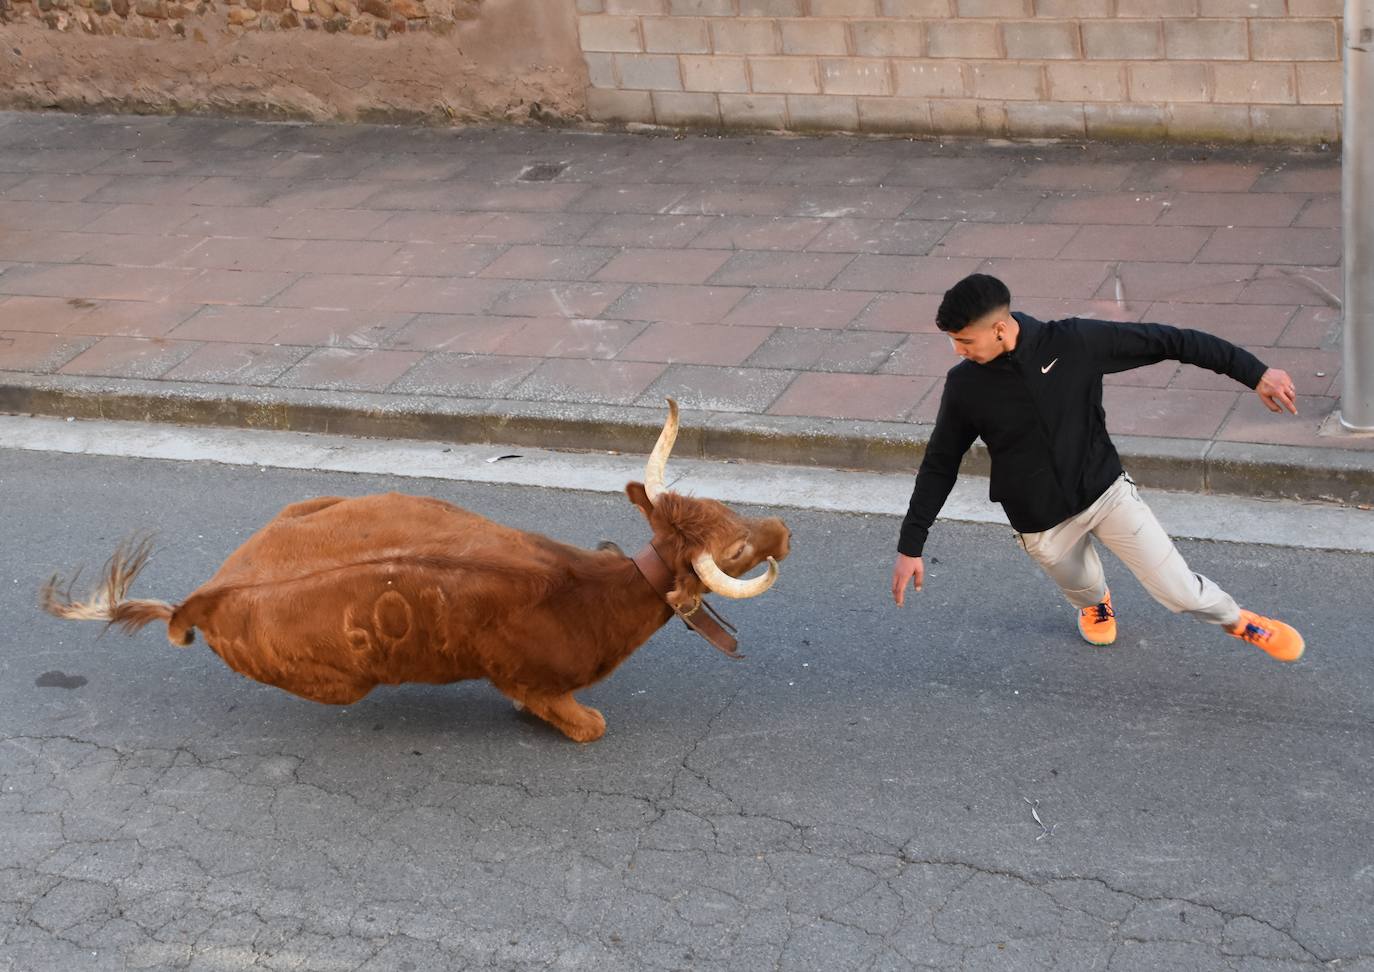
x=1046, y=370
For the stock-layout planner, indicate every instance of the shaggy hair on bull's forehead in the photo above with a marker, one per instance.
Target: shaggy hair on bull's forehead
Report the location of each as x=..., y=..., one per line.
x=702, y=523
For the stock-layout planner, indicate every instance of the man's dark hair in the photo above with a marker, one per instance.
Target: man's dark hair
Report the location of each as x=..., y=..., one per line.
x=971, y=298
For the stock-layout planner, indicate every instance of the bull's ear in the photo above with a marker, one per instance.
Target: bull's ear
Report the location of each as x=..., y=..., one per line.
x=639, y=496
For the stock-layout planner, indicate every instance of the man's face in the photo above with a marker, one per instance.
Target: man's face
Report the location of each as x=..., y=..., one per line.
x=982, y=340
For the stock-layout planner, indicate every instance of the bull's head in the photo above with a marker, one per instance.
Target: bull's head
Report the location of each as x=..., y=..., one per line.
x=707, y=546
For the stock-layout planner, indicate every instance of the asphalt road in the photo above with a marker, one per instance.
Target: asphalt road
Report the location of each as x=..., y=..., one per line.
x=856, y=794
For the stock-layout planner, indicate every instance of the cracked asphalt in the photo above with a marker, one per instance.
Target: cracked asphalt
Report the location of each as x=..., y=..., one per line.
x=856, y=794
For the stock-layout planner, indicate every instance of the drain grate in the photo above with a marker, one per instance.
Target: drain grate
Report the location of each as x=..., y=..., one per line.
x=542, y=172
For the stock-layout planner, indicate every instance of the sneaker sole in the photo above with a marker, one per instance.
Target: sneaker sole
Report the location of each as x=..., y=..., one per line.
x=1302, y=647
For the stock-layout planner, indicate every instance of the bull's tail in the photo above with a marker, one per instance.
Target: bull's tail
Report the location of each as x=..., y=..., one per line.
x=108, y=602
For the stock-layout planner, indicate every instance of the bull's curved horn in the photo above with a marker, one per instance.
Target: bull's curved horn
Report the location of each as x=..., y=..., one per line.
x=658, y=459
x=719, y=582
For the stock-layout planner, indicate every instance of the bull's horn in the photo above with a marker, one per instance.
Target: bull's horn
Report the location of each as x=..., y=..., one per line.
x=719, y=582
x=658, y=459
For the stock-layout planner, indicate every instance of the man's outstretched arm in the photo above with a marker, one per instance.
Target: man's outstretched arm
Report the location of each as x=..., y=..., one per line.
x=949, y=441
x=1121, y=346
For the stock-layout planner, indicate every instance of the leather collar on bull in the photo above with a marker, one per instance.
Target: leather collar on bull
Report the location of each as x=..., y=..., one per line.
x=656, y=572
x=335, y=596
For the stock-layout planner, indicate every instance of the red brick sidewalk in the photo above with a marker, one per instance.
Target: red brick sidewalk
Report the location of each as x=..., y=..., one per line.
x=768, y=276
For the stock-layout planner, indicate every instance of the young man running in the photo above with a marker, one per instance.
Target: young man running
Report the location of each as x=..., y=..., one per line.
x=1032, y=391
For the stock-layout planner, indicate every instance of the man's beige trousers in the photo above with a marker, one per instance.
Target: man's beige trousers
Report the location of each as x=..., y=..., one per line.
x=1121, y=520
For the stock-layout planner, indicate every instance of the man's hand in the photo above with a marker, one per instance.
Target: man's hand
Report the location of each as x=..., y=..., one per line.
x=908, y=570
x=1276, y=390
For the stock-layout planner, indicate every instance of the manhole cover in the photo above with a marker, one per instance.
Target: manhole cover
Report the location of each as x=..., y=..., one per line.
x=542, y=171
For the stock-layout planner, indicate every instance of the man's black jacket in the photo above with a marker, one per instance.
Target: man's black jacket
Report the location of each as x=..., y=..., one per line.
x=1038, y=409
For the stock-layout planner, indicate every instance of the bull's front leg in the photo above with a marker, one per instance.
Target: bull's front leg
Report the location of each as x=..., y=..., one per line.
x=580, y=723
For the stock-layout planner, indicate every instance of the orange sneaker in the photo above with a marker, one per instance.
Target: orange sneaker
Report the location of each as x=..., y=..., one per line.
x=1097, y=624
x=1280, y=640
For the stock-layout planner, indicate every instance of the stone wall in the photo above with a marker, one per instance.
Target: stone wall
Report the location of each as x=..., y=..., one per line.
x=1234, y=70
x=380, y=60
x=1230, y=70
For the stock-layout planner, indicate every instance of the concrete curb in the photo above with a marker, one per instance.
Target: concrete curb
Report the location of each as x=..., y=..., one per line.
x=1339, y=475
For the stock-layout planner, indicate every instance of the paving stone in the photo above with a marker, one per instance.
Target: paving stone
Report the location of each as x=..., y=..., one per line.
x=140, y=219
x=1143, y=243
x=974, y=205
x=431, y=227
x=95, y=282
x=837, y=202
x=41, y=353
x=44, y=247
x=571, y=338
x=1252, y=422
x=1191, y=283
x=663, y=266
x=330, y=224
x=1247, y=324
x=454, y=332
x=646, y=230
x=884, y=398
x=535, y=262
x=123, y=357
x=413, y=259
x=438, y=295
x=1101, y=176
x=791, y=308
x=1048, y=278
x=900, y=312
x=905, y=237
x=51, y=186
x=759, y=269
x=805, y=349
x=676, y=304
x=543, y=298
x=718, y=389
x=736, y=202
x=543, y=228
x=1290, y=245
x=129, y=318
x=759, y=233
x=236, y=364
x=1212, y=177
x=1311, y=327
x=1220, y=209
x=950, y=173
x=233, y=286
x=933, y=274
x=159, y=189
x=1171, y=413
x=588, y=382
x=466, y=375
x=1110, y=208
x=349, y=369
x=922, y=354
x=1042, y=240
x=707, y=344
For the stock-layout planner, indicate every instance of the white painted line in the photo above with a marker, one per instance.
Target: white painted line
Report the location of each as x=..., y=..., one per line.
x=1184, y=515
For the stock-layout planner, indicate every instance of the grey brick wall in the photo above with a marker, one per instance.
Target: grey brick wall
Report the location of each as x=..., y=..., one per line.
x=1234, y=70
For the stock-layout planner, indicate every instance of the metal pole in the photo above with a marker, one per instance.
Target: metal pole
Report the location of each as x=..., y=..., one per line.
x=1357, y=212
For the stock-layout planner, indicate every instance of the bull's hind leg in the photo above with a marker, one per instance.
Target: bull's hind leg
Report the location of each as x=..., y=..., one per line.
x=580, y=723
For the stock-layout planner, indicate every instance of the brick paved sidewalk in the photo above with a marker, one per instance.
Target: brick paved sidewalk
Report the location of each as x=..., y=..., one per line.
x=771, y=277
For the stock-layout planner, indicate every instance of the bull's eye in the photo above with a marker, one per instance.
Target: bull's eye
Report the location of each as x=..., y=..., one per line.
x=736, y=550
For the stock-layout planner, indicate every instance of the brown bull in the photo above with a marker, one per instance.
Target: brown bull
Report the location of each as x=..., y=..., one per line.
x=335, y=596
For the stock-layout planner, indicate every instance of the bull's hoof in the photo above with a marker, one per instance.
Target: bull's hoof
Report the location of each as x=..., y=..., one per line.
x=590, y=728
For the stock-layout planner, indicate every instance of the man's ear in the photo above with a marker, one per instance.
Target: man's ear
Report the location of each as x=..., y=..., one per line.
x=639, y=496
